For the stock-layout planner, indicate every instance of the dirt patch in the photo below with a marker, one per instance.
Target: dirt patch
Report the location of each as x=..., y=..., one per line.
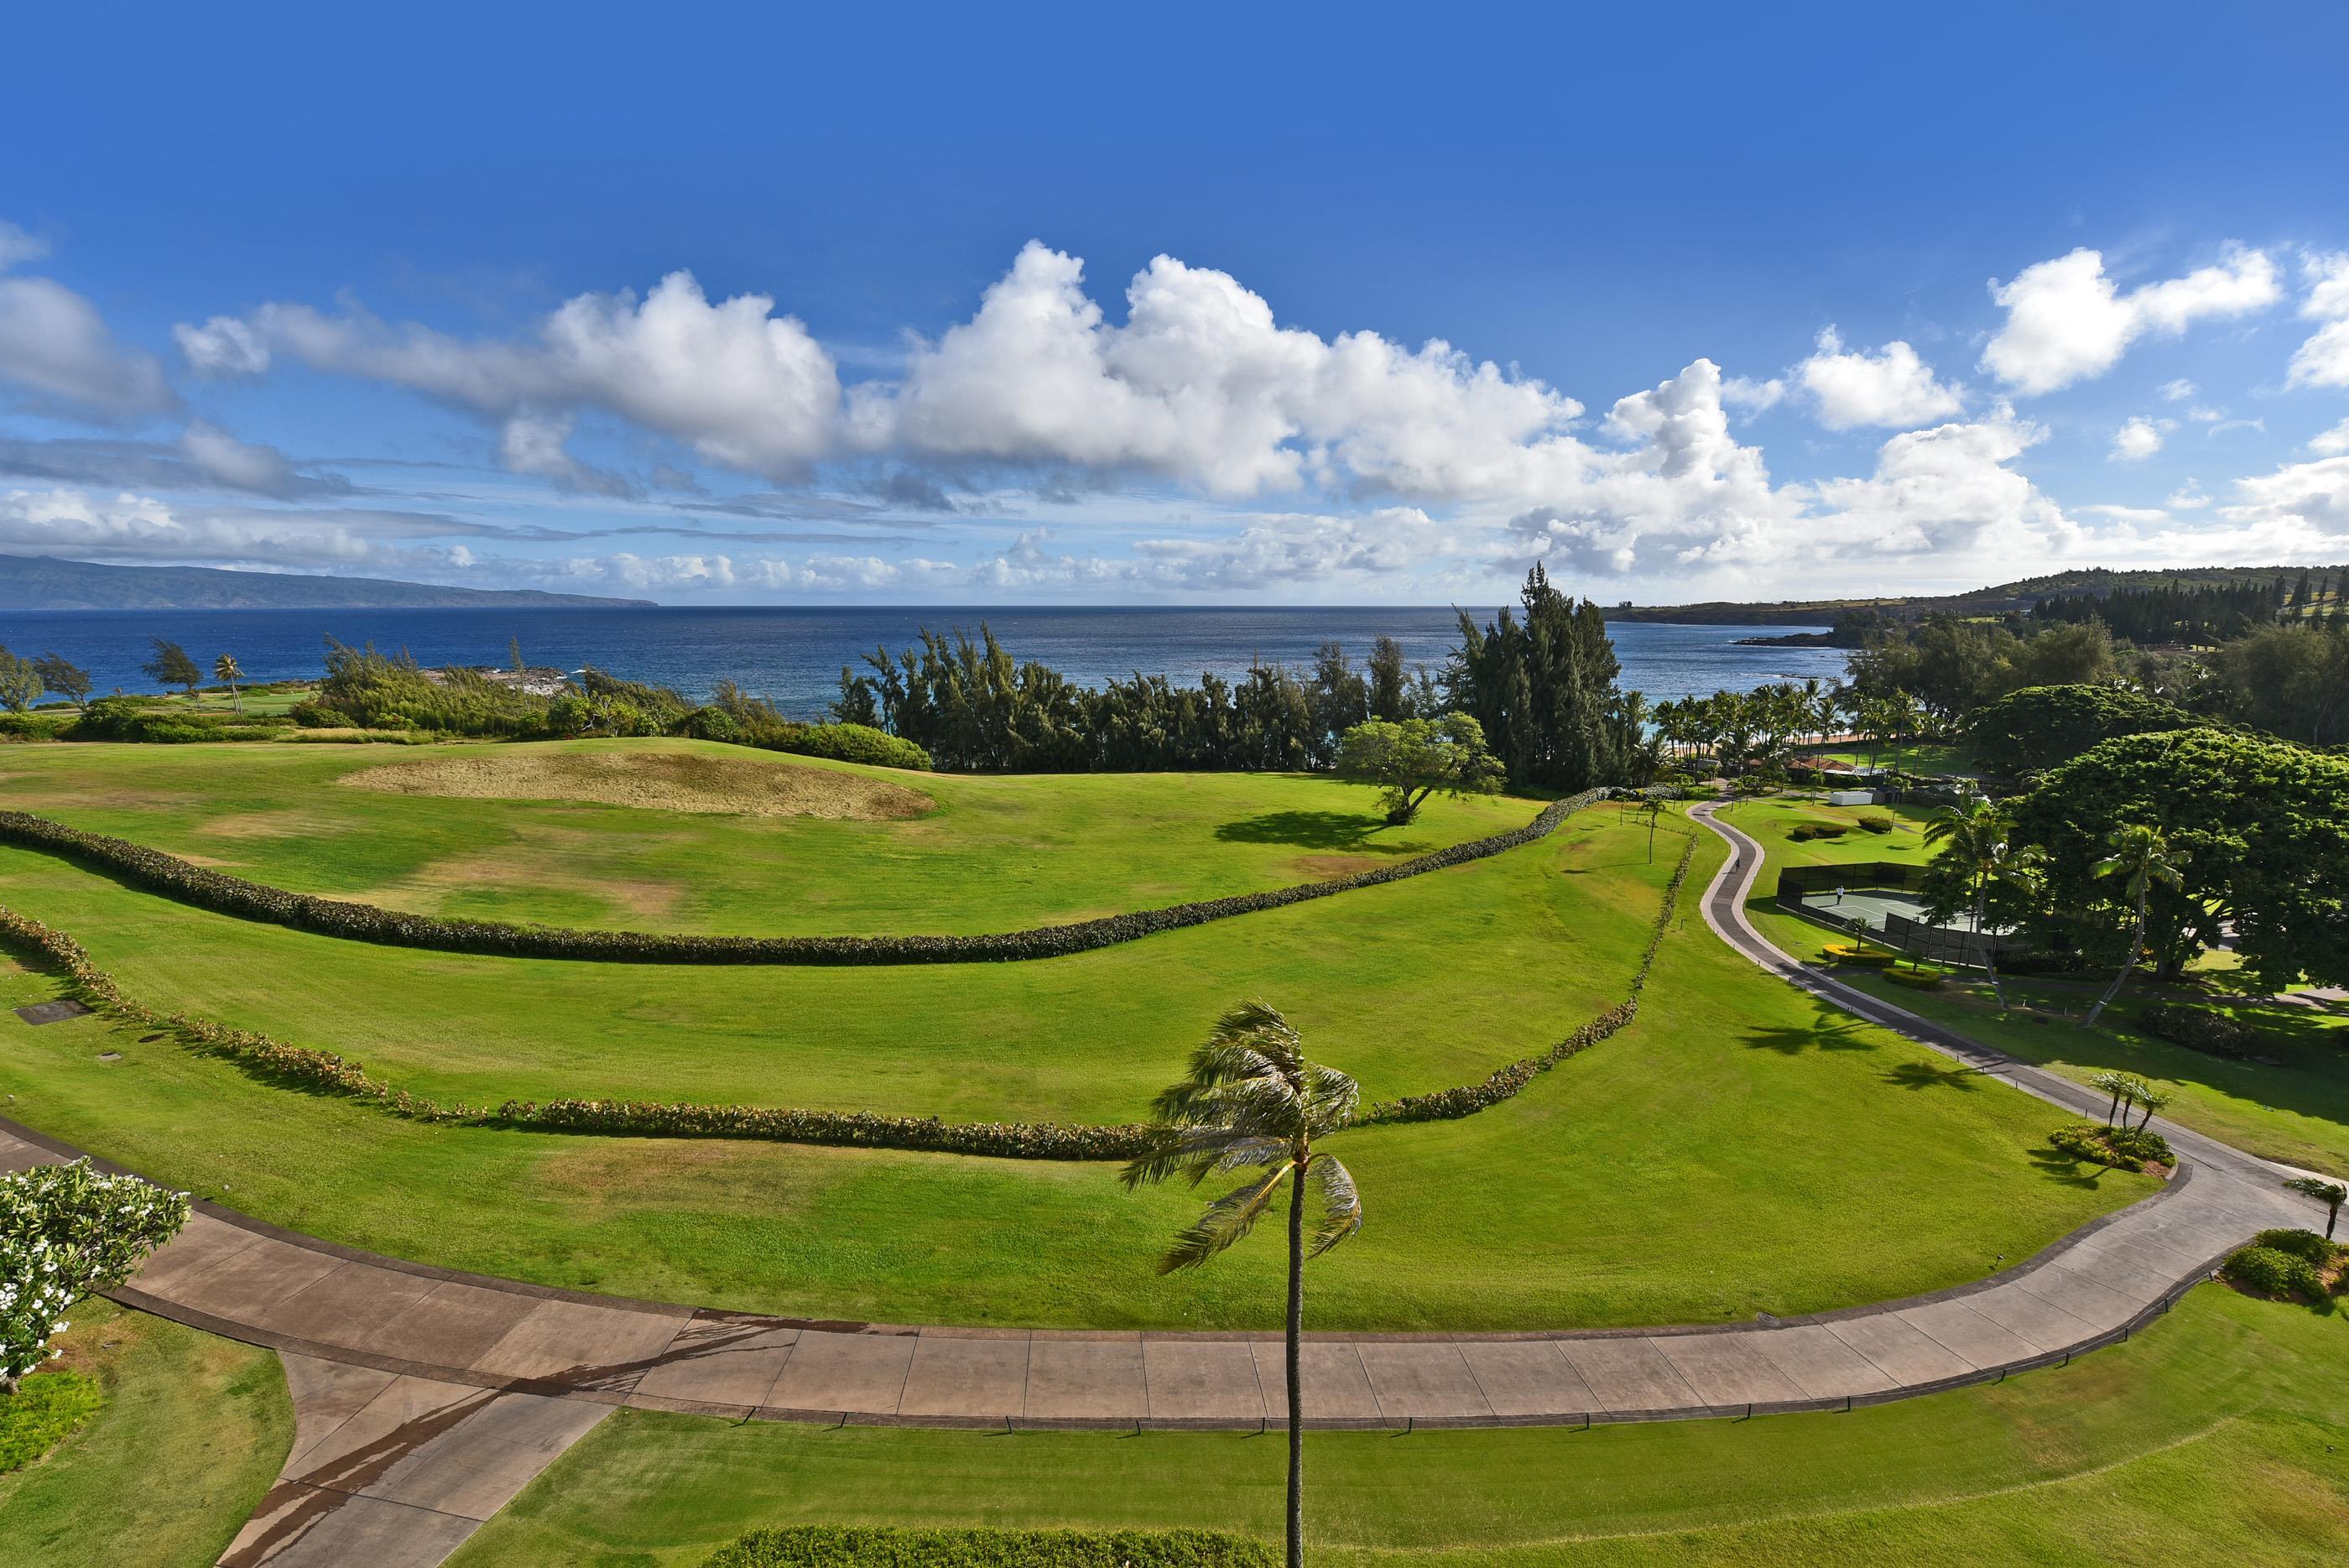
x=660, y=781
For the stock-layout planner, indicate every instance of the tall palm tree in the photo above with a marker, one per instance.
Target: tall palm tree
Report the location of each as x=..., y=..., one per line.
x=1253, y=1101
x=225, y=668
x=1980, y=837
x=2152, y=1099
x=2142, y=854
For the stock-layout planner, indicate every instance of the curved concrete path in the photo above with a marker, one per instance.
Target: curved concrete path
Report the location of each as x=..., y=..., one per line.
x=426, y=1397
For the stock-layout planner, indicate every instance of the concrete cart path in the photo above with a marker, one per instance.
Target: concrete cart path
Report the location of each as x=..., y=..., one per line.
x=426, y=1397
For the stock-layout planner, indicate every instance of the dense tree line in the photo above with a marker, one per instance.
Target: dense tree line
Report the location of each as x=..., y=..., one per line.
x=1539, y=680
x=2214, y=613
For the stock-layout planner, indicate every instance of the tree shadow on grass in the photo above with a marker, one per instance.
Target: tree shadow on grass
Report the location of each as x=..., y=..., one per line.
x=1825, y=1034
x=1312, y=830
x=1929, y=1076
x=2061, y=1168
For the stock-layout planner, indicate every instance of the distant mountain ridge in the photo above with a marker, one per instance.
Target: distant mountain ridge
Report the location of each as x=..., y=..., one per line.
x=1997, y=600
x=39, y=582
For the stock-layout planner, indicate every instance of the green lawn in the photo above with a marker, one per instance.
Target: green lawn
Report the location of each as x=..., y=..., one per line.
x=2210, y=1437
x=2293, y=1108
x=997, y=854
x=1700, y=1167
x=191, y=1433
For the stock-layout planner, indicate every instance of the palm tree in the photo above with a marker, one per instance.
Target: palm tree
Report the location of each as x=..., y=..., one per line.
x=2142, y=854
x=2152, y=1099
x=1978, y=836
x=2332, y=1194
x=225, y=668
x=1253, y=1101
x=2115, y=1084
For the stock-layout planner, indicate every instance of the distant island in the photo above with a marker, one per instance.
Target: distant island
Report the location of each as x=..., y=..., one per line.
x=1854, y=617
x=40, y=583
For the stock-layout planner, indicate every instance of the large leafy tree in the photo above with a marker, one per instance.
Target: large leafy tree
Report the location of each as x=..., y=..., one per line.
x=1411, y=758
x=1542, y=687
x=66, y=1233
x=20, y=682
x=2038, y=727
x=64, y=677
x=2264, y=830
x=171, y=665
x=1252, y=1102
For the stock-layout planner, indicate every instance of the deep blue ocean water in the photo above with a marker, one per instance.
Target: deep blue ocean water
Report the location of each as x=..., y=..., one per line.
x=792, y=657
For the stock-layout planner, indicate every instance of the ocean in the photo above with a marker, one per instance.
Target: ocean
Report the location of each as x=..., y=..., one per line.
x=793, y=656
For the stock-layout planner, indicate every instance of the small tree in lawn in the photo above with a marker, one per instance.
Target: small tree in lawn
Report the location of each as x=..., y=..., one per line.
x=2142, y=855
x=67, y=1231
x=20, y=682
x=64, y=677
x=2332, y=1194
x=1410, y=759
x=1253, y=1101
x=226, y=669
x=173, y=666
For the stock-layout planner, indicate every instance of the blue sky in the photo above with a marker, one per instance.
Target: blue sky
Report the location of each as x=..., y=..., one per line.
x=748, y=307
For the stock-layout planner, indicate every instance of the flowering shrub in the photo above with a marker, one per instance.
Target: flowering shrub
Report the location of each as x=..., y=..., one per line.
x=176, y=879
x=65, y=1231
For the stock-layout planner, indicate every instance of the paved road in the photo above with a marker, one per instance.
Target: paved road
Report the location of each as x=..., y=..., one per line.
x=426, y=1397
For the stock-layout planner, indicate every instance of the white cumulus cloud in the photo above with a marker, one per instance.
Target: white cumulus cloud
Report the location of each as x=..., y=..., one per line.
x=2331, y=442
x=54, y=343
x=1890, y=386
x=2324, y=359
x=2141, y=438
x=2066, y=320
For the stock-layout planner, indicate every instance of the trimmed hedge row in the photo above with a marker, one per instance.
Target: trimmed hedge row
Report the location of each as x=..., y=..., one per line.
x=1505, y=1083
x=862, y=1546
x=174, y=878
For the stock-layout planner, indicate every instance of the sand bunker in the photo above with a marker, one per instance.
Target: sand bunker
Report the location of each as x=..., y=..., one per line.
x=660, y=781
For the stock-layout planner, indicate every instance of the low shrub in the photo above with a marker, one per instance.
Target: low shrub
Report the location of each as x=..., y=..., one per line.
x=2264, y=1271
x=132, y=719
x=43, y=1412
x=843, y=744
x=45, y=725
x=1915, y=979
x=2306, y=1245
x=2200, y=1029
x=1876, y=822
x=839, y=1546
x=1856, y=957
x=2117, y=1148
x=1804, y=832
x=711, y=723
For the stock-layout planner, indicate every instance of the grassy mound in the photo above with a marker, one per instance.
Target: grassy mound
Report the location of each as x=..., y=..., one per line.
x=652, y=780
